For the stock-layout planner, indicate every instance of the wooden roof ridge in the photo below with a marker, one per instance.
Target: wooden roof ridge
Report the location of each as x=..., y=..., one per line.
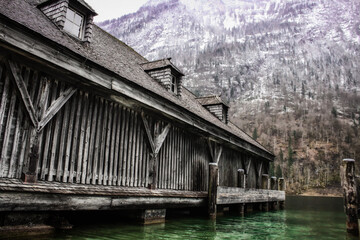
x=160, y=63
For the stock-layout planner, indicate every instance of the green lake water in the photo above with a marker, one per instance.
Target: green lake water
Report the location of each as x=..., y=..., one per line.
x=304, y=218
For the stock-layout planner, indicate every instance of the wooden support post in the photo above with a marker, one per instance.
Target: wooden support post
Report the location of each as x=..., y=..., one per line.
x=241, y=178
x=273, y=186
x=347, y=174
x=265, y=185
x=212, y=192
x=281, y=187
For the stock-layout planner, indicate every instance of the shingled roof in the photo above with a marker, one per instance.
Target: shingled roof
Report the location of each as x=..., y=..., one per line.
x=211, y=100
x=125, y=62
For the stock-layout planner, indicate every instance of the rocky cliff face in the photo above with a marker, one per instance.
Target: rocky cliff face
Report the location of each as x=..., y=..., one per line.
x=289, y=68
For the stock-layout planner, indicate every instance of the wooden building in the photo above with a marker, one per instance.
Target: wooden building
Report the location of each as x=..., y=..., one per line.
x=89, y=124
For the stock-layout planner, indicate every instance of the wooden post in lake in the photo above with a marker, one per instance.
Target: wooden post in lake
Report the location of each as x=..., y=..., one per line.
x=281, y=187
x=241, y=184
x=273, y=186
x=347, y=174
x=212, y=192
x=265, y=185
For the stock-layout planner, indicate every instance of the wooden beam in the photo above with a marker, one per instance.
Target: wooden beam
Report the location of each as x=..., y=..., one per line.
x=211, y=150
x=248, y=167
x=15, y=70
x=148, y=132
x=161, y=138
x=218, y=154
x=231, y=195
x=56, y=106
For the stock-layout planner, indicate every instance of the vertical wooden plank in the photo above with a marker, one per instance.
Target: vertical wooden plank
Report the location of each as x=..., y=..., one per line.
x=98, y=136
x=103, y=143
x=167, y=161
x=15, y=149
x=113, y=130
x=136, y=168
x=129, y=147
x=56, y=121
x=70, y=138
x=161, y=170
x=125, y=142
x=5, y=164
x=92, y=135
x=133, y=150
x=107, y=147
x=122, y=120
x=78, y=98
x=84, y=139
x=24, y=138
x=45, y=169
x=117, y=150
x=182, y=165
x=61, y=157
x=141, y=158
x=4, y=98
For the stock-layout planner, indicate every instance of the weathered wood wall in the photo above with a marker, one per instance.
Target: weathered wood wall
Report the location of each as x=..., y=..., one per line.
x=232, y=160
x=93, y=140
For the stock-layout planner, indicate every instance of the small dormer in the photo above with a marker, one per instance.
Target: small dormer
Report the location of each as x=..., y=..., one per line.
x=166, y=74
x=75, y=17
x=216, y=106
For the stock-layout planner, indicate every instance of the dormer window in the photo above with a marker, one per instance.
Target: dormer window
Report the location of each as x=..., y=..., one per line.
x=75, y=17
x=74, y=23
x=166, y=73
x=174, y=85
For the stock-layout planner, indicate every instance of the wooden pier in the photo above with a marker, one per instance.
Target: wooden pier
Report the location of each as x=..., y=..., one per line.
x=86, y=123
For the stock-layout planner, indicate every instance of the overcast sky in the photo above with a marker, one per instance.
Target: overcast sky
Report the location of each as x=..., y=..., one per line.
x=109, y=9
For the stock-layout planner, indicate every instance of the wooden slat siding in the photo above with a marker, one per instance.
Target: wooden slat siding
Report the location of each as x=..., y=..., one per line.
x=117, y=155
x=26, y=123
x=124, y=142
x=185, y=162
x=133, y=151
x=57, y=123
x=163, y=167
x=48, y=137
x=98, y=137
x=4, y=164
x=103, y=143
x=84, y=139
x=182, y=161
x=167, y=162
x=61, y=155
x=141, y=155
x=137, y=156
x=92, y=135
x=14, y=157
x=122, y=120
x=109, y=158
x=129, y=149
x=70, y=137
x=74, y=170
x=173, y=159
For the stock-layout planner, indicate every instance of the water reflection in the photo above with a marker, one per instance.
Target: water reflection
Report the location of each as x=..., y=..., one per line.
x=304, y=218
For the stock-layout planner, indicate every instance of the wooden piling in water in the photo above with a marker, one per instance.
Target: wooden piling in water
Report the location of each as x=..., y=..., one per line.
x=273, y=186
x=347, y=174
x=265, y=185
x=212, y=193
x=281, y=187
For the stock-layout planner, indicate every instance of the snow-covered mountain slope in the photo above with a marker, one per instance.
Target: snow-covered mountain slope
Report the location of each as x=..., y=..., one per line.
x=289, y=68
